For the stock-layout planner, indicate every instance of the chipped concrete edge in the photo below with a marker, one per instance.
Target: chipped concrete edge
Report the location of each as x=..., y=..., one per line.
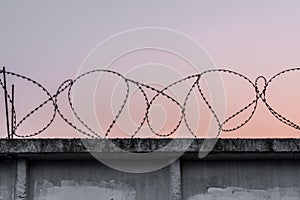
x=145, y=145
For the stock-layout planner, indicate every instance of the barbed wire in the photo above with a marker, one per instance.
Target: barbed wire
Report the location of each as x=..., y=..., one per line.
x=68, y=85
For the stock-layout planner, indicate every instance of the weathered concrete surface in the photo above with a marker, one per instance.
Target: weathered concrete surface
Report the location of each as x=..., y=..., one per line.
x=76, y=149
x=233, y=193
x=7, y=170
x=241, y=179
x=175, y=181
x=70, y=189
x=18, y=146
x=21, y=180
x=89, y=179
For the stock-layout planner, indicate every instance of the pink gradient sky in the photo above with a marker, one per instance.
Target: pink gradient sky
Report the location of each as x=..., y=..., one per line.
x=48, y=41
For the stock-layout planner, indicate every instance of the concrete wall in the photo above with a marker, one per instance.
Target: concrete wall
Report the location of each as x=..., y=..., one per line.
x=235, y=169
x=7, y=179
x=89, y=180
x=241, y=179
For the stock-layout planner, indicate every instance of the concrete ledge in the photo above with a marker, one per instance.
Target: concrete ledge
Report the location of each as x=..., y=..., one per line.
x=235, y=148
x=234, y=169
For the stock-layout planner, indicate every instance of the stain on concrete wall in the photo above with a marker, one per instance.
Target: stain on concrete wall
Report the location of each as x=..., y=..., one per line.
x=241, y=179
x=90, y=180
x=233, y=193
x=7, y=180
x=110, y=190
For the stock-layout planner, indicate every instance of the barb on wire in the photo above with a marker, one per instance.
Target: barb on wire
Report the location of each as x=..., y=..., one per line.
x=67, y=85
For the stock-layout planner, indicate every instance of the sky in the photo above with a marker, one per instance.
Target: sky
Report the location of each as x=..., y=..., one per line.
x=50, y=40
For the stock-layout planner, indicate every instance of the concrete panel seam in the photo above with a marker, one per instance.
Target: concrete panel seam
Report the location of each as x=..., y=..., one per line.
x=175, y=180
x=21, y=180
